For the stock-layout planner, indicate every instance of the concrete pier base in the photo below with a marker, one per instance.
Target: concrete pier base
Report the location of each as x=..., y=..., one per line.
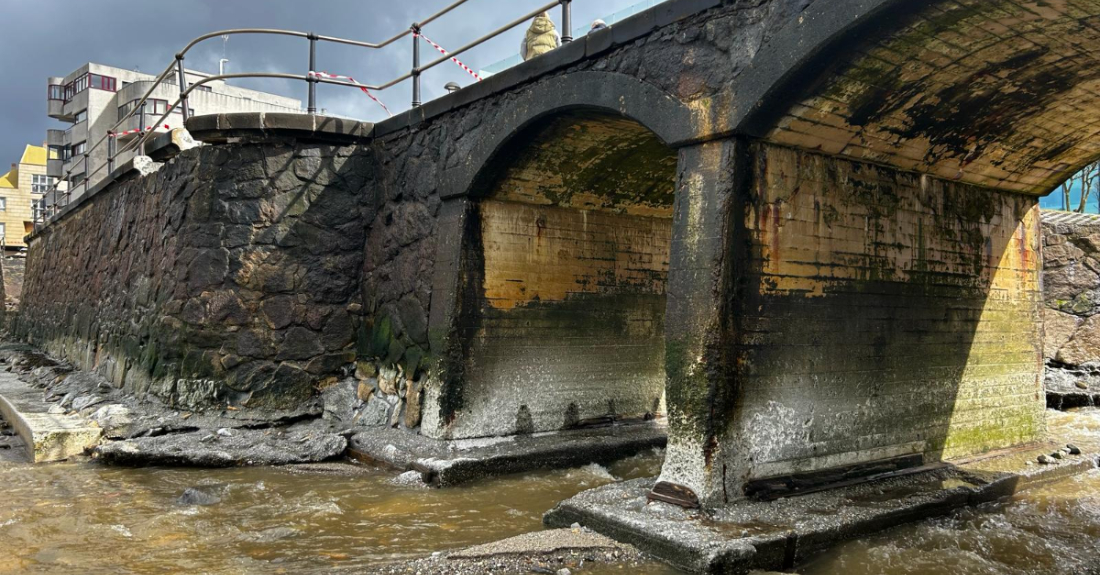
x=777, y=535
x=447, y=463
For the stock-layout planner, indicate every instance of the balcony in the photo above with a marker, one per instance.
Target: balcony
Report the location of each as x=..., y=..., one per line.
x=55, y=168
x=58, y=137
x=56, y=109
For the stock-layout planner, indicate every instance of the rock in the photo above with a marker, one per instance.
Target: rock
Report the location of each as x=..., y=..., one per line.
x=375, y=413
x=1084, y=346
x=300, y=443
x=115, y=419
x=56, y=410
x=364, y=391
x=412, y=404
x=564, y=571
x=1073, y=449
x=1046, y=460
x=198, y=496
x=411, y=479
x=365, y=370
x=225, y=432
x=1058, y=328
x=1081, y=384
x=387, y=381
x=341, y=400
x=1057, y=455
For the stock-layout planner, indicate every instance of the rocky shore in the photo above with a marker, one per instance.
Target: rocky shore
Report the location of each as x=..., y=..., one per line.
x=146, y=433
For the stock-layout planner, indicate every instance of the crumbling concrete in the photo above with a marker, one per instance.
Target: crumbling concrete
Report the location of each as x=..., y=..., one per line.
x=49, y=433
x=448, y=463
x=548, y=552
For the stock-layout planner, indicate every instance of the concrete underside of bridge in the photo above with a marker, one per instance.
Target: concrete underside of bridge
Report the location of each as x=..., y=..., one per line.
x=805, y=233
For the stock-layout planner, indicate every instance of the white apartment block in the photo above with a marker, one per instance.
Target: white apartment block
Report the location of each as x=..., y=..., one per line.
x=94, y=97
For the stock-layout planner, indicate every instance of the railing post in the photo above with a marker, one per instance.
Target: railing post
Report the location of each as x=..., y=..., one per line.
x=566, y=21
x=110, y=154
x=141, y=129
x=183, y=87
x=416, y=65
x=312, y=80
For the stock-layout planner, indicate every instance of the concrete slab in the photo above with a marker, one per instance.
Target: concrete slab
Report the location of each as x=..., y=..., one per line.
x=446, y=463
x=777, y=535
x=47, y=436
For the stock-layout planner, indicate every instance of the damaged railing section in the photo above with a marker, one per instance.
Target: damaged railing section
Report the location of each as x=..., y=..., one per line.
x=57, y=198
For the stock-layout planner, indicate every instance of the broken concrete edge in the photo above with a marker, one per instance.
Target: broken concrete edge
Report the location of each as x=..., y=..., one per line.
x=137, y=166
x=265, y=126
x=702, y=548
x=49, y=437
x=441, y=466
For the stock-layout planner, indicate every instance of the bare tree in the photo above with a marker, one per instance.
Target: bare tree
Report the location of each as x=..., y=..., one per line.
x=1088, y=181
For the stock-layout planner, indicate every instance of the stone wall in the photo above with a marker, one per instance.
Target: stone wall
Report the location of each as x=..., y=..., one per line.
x=884, y=313
x=1071, y=318
x=228, y=277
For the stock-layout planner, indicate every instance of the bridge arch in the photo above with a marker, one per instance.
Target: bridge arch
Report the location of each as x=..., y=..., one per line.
x=1001, y=93
x=566, y=251
x=673, y=122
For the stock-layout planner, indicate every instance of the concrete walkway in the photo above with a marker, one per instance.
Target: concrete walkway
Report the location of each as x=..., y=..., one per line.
x=778, y=535
x=48, y=432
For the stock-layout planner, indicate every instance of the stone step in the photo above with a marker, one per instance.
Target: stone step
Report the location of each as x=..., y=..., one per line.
x=48, y=436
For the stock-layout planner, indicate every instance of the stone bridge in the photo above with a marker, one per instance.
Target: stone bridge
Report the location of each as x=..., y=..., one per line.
x=804, y=231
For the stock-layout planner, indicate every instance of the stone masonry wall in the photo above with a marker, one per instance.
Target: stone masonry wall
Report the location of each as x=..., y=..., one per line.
x=1071, y=318
x=228, y=277
x=885, y=313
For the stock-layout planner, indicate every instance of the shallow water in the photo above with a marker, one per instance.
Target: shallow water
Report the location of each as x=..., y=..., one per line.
x=1050, y=530
x=89, y=518
x=94, y=519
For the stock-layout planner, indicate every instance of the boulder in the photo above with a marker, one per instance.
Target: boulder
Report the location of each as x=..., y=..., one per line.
x=1058, y=328
x=1084, y=346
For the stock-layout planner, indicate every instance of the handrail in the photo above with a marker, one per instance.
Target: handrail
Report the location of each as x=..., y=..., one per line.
x=311, y=78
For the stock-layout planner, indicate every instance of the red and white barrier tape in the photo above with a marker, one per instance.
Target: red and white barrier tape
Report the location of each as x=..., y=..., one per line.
x=134, y=131
x=353, y=82
x=453, y=59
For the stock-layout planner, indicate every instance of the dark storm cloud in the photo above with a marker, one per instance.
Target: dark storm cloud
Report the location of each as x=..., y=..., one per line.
x=53, y=37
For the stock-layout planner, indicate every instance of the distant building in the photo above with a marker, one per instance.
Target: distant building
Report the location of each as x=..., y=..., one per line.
x=94, y=97
x=20, y=191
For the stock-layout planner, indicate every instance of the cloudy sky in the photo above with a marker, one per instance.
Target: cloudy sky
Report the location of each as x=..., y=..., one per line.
x=54, y=37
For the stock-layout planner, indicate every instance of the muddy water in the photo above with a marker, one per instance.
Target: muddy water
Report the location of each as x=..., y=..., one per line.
x=86, y=518
x=92, y=519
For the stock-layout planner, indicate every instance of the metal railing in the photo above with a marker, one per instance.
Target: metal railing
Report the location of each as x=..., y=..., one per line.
x=311, y=78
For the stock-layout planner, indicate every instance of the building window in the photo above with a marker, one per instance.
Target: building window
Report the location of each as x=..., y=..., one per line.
x=40, y=183
x=3, y=204
x=77, y=179
x=152, y=107
x=56, y=152
x=56, y=92
x=78, y=149
x=36, y=209
x=3, y=232
x=81, y=116
x=103, y=82
x=85, y=81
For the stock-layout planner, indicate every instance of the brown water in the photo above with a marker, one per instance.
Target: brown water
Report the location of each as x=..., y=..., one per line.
x=87, y=518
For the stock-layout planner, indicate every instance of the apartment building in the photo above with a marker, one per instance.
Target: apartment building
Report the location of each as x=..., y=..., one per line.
x=21, y=189
x=94, y=97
